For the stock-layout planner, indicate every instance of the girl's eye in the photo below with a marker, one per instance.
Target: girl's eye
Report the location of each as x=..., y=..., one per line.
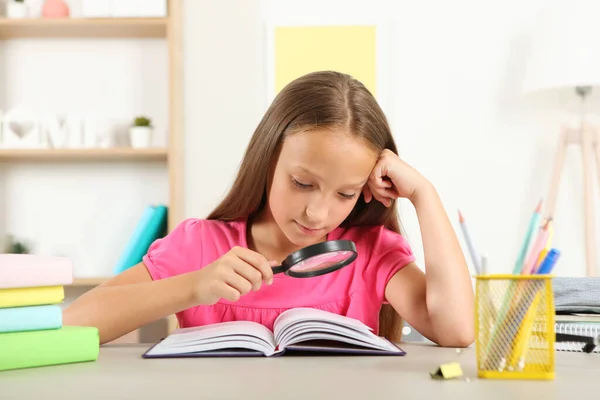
x=348, y=196
x=300, y=185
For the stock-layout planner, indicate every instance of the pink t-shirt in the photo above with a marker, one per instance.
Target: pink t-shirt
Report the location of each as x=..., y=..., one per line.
x=356, y=290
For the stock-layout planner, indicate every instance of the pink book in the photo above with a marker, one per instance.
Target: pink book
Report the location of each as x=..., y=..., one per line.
x=29, y=270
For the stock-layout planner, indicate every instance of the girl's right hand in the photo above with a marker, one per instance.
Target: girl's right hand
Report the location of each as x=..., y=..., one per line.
x=234, y=274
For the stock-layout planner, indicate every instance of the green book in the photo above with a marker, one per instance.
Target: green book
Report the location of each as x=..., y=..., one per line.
x=69, y=344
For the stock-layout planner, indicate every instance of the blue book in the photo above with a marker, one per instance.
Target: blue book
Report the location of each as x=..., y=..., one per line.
x=125, y=260
x=32, y=318
x=152, y=226
x=155, y=229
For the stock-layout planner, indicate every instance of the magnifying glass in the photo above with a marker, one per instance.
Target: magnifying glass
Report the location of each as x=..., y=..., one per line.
x=318, y=259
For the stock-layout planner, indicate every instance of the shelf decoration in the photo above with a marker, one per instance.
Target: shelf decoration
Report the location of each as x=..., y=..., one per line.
x=55, y=9
x=140, y=134
x=16, y=9
x=20, y=129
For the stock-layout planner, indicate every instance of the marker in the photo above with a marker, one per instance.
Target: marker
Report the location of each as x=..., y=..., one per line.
x=540, y=259
x=549, y=261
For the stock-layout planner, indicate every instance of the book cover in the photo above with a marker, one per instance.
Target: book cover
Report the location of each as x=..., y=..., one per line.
x=31, y=296
x=30, y=270
x=69, y=344
x=154, y=228
x=299, y=330
x=126, y=260
x=33, y=318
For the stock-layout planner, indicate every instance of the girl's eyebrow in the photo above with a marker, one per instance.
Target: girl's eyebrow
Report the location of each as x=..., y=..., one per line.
x=358, y=185
x=309, y=172
x=351, y=185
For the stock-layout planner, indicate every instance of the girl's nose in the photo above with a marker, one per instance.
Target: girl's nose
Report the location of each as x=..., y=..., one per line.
x=317, y=211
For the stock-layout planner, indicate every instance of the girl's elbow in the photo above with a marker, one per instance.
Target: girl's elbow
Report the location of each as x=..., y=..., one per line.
x=457, y=335
x=460, y=338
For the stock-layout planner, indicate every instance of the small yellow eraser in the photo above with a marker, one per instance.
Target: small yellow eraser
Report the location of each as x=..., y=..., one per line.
x=447, y=371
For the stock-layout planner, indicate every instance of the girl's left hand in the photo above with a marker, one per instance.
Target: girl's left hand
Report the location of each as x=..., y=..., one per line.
x=392, y=178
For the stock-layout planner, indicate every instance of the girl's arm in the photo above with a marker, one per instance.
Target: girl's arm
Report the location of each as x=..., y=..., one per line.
x=132, y=299
x=439, y=303
x=129, y=301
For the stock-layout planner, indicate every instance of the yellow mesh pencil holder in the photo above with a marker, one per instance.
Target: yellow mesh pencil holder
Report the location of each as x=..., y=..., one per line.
x=514, y=327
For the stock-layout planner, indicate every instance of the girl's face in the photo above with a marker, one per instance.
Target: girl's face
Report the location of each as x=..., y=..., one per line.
x=317, y=180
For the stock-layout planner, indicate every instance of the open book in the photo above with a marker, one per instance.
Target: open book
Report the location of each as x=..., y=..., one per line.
x=295, y=330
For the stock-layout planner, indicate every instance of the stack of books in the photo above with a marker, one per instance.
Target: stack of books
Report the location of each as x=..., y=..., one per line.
x=577, y=309
x=31, y=329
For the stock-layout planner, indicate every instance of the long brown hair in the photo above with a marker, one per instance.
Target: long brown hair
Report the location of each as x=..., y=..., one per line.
x=324, y=99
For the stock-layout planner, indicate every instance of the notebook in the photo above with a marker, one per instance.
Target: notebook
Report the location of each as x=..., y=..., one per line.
x=299, y=330
x=576, y=328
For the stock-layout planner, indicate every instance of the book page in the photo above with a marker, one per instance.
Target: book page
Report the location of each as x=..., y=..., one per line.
x=303, y=314
x=311, y=326
x=374, y=343
x=302, y=324
x=236, y=342
x=245, y=334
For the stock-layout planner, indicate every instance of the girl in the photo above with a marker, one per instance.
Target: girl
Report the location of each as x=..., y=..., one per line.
x=321, y=165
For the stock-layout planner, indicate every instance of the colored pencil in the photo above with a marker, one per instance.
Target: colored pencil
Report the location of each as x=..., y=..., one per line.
x=533, y=226
x=536, y=248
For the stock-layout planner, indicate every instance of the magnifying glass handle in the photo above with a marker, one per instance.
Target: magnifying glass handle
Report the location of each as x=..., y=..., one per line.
x=278, y=270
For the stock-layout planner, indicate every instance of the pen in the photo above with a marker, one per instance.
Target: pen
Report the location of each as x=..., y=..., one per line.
x=549, y=262
x=533, y=224
x=474, y=256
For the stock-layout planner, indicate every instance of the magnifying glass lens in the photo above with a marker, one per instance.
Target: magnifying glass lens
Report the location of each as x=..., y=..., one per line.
x=322, y=261
x=318, y=259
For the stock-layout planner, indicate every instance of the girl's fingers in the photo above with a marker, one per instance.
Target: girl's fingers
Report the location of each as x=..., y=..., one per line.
x=377, y=175
x=385, y=193
x=238, y=282
x=227, y=292
x=257, y=261
x=367, y=193
x=249, y=273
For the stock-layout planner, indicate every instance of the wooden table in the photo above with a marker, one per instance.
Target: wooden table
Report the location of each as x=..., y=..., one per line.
x=120, y=372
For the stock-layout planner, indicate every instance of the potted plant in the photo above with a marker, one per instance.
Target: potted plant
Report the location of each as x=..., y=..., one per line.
x=16, y=9
x=140, y=134
x=13, y=246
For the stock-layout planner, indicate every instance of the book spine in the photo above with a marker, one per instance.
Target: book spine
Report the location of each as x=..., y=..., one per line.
x=40, y=348
x=19, y=319
x=28, y=270
x=154, y=230
x=20, y=297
